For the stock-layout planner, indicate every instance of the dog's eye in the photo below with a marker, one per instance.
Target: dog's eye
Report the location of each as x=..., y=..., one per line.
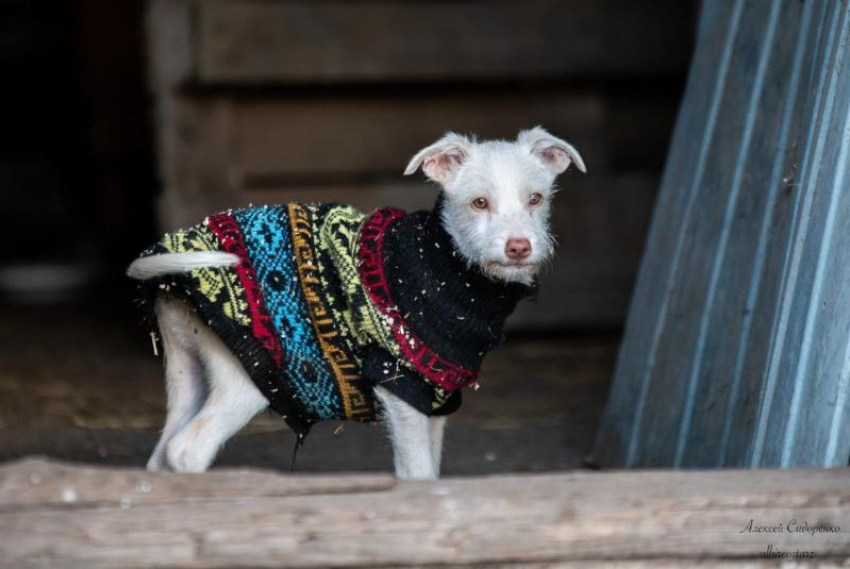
x=535, y=199
x=479, y=203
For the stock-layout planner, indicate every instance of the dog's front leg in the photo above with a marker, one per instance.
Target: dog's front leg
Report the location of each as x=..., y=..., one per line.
x=411, y=438
x=437, y=426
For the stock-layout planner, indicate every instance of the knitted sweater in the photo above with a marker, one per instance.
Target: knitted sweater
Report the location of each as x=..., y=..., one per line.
x=327, y=302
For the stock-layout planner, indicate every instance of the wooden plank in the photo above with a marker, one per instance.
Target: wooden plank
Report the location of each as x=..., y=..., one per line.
x=685, y=517
x=169, y=44
x=652, y=564
x=193, y=136
x=41, y=483
x=223, y=149
x=195, y=160
x=300, y=141
x=260, y=42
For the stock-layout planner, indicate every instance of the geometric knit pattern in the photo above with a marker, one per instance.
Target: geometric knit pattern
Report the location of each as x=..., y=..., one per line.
x=408, y=346
x=268, y=241
x=311, y=314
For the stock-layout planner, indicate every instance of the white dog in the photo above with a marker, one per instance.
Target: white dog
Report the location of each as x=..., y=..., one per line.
x=418, y=301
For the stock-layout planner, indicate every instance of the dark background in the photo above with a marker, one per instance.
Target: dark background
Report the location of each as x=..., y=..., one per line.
x=76, y=163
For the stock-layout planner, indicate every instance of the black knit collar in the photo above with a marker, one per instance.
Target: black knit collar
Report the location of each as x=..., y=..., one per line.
x=455, y=308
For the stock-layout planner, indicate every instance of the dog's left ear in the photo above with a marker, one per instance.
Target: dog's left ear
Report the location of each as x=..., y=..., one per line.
x=555, y=154
x=443, y=159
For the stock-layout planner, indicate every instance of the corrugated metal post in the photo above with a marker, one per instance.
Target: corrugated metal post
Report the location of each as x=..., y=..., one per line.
x=737, y=348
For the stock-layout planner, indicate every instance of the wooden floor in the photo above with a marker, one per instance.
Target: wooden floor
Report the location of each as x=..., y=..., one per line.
x=57, y=514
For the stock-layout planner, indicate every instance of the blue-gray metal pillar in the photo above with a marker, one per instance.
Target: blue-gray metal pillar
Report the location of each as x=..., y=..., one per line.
x=737, y=347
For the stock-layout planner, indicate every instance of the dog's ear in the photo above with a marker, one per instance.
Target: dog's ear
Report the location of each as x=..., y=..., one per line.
x=441, y=160
x=555, y=154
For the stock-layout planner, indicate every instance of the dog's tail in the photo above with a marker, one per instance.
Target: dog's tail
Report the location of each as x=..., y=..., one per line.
x=157, y=265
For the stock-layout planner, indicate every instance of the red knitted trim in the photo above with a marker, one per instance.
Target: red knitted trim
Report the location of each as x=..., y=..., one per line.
x=371, y=268
x=232, y=241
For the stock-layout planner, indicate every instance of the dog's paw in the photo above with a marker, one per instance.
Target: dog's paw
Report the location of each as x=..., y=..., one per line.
x=184, y=456
x=156, y=464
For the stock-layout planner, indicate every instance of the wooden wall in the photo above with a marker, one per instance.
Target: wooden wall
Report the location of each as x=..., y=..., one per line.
x=262, y=101
x=737, y=348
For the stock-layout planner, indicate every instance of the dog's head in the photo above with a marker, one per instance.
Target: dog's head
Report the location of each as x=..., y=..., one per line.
x=498, y=197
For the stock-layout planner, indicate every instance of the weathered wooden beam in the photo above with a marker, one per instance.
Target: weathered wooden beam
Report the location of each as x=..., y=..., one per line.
x=657, y=517
x=38, y=483
x=260, y=42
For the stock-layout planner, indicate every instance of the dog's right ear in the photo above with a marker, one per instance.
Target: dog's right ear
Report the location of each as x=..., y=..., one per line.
x=441, y=160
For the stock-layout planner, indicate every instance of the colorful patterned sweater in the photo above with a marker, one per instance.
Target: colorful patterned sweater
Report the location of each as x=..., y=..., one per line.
x=327, y=302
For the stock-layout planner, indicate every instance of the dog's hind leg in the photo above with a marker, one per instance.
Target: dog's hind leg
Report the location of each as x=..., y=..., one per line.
x=184, y=382
x=409, y=431
x=232, y=402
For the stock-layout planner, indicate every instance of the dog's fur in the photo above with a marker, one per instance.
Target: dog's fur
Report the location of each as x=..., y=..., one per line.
x=497, y=203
